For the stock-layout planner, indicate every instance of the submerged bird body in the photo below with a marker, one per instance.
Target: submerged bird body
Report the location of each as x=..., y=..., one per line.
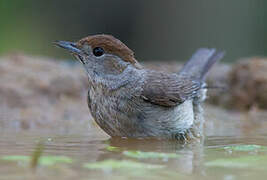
x=123, y=113
x=127, y=100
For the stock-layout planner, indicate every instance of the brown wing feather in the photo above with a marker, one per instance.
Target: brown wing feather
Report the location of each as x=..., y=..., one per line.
x=168, y=89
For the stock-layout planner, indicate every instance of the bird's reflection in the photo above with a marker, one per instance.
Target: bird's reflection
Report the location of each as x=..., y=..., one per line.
x=190, y=159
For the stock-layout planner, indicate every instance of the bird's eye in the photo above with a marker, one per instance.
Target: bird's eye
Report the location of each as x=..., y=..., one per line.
x=98, y=51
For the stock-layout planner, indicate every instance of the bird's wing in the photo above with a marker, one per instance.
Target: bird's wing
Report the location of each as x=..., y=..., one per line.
x=168, y=89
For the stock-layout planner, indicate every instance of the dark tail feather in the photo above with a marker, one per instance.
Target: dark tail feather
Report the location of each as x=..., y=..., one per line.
x=201, y=62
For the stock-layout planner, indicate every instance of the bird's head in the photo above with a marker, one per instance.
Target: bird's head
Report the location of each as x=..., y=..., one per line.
x=101, y=54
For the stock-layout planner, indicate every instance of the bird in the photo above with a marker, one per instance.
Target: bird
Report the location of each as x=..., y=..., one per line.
x=128, y=100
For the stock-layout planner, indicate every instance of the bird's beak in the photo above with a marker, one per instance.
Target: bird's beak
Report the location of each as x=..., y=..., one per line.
x=70, y=46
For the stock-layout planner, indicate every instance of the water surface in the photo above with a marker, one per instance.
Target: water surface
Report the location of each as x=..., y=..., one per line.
x=233, y=149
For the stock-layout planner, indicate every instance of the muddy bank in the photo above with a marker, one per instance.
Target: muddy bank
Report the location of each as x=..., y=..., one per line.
x=41, y=93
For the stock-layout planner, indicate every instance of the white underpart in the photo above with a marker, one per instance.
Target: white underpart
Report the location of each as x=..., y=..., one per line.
x=185, y=115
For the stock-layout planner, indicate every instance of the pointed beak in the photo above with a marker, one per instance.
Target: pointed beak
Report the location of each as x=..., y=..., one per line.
x=69, y=46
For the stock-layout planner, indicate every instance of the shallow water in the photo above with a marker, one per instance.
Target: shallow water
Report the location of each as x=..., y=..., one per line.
x=234, y=149
x=192, y=161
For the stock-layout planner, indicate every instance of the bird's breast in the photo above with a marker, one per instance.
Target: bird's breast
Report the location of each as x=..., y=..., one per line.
x=111, y=111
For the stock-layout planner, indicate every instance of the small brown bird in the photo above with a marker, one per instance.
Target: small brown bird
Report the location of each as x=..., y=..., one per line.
x=128, y=100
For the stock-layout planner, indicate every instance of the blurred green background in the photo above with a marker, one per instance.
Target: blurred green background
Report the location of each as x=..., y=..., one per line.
x=154, y=29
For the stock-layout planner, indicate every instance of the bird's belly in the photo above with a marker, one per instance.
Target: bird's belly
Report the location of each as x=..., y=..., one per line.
x=121, y=118
x=166, y=122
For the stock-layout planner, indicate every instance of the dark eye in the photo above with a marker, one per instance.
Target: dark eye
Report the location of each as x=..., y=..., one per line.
x=98, y=51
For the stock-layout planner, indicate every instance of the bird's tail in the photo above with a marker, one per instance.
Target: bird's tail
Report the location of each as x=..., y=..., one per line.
x=200, y=63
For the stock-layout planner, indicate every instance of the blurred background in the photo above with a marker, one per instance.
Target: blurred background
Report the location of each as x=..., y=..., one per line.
x=154, y=29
